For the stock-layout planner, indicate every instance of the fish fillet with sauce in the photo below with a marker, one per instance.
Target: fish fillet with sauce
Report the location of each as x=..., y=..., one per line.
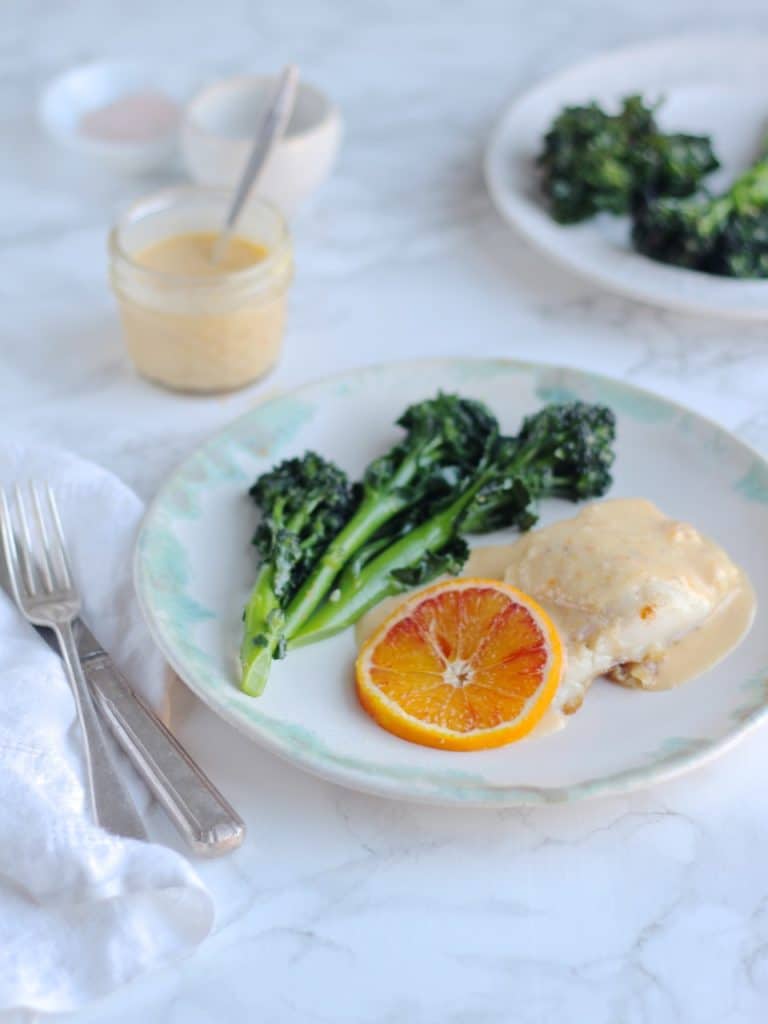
x=637, y=596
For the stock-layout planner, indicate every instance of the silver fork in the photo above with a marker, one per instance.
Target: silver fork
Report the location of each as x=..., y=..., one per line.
x=42, y=583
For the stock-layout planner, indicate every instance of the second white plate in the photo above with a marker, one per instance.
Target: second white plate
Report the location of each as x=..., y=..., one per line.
x=711, y=84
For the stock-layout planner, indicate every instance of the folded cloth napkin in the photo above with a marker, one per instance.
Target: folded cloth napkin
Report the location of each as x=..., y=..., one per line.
x=81, y=911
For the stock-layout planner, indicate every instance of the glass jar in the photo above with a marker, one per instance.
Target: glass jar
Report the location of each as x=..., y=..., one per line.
x=201, y=333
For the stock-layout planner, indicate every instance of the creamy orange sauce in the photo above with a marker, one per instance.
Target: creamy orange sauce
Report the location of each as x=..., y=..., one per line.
x=701, y=649
x=199, y=325
x=638, y=597
x=191, y=255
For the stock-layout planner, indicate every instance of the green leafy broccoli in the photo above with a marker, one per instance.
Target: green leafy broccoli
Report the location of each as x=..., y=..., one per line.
x=596, y=162
x=562, y=451
x=445, y=439
x=725, y=234
x=304, y=502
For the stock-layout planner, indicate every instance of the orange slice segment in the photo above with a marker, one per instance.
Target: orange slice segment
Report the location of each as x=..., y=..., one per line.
x=463, y=665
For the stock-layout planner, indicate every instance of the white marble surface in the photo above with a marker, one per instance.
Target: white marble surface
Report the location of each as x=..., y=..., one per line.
x=345, y=908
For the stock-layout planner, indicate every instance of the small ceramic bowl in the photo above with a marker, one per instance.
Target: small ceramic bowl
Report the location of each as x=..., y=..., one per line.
x=83, y=90
x=218, y=130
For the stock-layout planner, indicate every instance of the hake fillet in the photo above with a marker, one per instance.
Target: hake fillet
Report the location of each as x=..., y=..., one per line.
x=625, y=584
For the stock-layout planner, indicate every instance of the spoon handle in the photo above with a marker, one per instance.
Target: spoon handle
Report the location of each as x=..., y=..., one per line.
x=272, y=128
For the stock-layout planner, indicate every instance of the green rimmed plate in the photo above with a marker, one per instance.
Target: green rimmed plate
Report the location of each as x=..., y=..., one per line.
x=194, y=566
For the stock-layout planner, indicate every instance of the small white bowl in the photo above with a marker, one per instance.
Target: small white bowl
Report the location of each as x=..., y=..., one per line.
x=81, y=90
x=219, y=127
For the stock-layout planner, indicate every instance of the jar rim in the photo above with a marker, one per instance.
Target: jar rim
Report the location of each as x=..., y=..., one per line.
x=276, y=262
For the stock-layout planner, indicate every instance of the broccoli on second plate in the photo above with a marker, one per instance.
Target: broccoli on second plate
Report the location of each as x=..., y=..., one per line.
x=595, y=162
x=725, y=234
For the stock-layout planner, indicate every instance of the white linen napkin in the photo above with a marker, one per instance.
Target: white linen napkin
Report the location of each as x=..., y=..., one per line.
x=81, y=911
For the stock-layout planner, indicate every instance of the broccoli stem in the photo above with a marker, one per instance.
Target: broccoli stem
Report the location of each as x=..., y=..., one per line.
x=263, y=633
x=358, y=592
x=373, y=512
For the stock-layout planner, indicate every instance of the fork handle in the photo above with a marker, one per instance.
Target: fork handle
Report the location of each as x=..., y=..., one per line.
x=111, y=803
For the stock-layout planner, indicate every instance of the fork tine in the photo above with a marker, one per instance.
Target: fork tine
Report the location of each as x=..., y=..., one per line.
x=61, y=547
x=46, y=561
x=25, y=547
x=9, y=545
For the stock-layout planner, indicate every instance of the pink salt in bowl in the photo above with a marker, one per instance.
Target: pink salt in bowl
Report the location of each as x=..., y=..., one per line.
x=123, y=114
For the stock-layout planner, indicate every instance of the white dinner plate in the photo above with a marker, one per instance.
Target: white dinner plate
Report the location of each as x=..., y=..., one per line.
x=195, y=565
x=711, y=84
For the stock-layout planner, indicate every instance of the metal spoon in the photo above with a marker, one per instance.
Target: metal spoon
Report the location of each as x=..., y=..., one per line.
x=271, y=129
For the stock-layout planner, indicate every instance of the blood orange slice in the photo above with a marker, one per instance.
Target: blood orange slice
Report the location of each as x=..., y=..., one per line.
x=463, y=665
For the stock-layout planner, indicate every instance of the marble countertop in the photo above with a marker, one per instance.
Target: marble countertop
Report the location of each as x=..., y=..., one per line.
x=343, y=907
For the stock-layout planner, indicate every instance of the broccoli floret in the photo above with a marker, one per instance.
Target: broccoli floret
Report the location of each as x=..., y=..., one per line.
x=304, y=502
x=563, y=451
x=596, y=162
x=725, y=234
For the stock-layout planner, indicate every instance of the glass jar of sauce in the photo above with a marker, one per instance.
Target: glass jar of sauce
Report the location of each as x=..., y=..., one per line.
x=188, y=323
